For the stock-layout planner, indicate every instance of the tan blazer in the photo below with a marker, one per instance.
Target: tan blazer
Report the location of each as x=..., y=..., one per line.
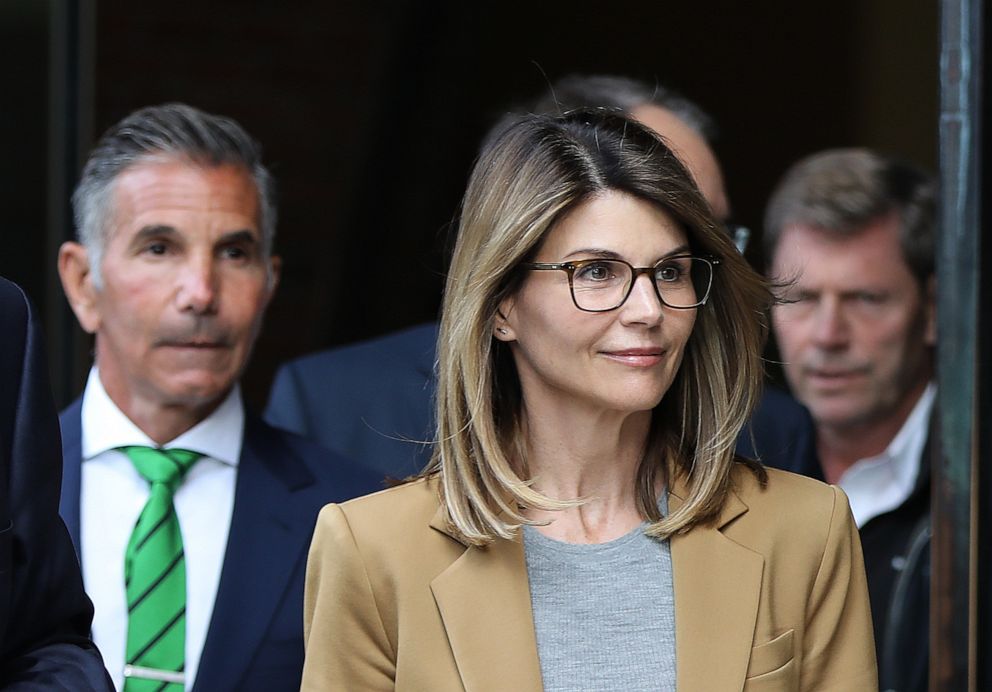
x=772, y=596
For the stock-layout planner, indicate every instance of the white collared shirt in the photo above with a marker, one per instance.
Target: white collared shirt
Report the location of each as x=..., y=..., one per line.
x=882, y=483
x=113, y=494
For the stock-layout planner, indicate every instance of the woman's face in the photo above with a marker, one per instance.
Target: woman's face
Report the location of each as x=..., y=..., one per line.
x=623, y=360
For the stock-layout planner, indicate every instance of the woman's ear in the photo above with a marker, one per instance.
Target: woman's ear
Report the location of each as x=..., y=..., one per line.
x=502, y=326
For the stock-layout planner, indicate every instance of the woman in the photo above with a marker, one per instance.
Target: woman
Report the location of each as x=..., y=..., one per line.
x=584, y=523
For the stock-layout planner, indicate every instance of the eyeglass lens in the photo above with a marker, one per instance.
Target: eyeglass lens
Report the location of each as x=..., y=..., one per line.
x=683, y=282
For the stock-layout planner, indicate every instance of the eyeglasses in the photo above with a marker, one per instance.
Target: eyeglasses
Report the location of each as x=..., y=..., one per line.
x=600, y=285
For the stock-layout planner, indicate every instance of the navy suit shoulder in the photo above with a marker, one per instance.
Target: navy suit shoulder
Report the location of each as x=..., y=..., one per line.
x=44, y=614
x=371, y=401
x=780, y=434
x=333, y=476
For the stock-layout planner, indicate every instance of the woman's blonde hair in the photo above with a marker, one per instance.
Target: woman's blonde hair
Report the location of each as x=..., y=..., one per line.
x=525, y=179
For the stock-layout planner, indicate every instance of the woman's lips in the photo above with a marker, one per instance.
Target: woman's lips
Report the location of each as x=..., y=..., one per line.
x=636, y=357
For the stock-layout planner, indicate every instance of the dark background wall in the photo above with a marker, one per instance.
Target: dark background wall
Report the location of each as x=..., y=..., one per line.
x=24, y=27
x=370, y=114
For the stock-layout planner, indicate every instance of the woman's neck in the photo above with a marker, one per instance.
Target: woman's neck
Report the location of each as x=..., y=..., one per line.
x=592, y=456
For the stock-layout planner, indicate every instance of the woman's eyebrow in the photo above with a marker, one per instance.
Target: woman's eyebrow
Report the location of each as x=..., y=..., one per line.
x=595, y=252
x=610, y=254
x=680, y=250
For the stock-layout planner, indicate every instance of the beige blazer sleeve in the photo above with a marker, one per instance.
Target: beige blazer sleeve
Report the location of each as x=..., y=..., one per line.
x=394, y=602
x=346, y=643
x=839, y=648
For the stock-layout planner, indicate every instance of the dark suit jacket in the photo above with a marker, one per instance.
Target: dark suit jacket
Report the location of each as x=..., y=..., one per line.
x=44, y=614
x=255, y=638
x=896, y=547
x=373, y=401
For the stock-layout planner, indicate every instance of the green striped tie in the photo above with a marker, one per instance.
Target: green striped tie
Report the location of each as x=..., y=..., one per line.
x=155, y=577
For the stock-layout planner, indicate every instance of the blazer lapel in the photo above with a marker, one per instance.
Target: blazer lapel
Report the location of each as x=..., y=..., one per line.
x=484, y=601
x=717, y=588
x=72, y=460
x=254, y=580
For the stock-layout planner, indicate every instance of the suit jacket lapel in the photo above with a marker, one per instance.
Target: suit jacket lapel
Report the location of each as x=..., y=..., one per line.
x=717, y=588
x=72, y=462
x=484, y=601
x=253, y=581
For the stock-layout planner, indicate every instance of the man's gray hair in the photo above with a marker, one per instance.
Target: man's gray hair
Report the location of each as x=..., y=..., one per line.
x=609, y=92
x=625, y=94
x=172, y=131
x=841, y=191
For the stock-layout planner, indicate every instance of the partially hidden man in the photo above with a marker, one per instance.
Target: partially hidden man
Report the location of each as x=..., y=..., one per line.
x=191, y=516
x=850, y=233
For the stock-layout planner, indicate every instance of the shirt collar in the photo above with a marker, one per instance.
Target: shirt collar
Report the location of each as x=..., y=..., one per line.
x=883, y=482
x=106, y=427
x=901, y=449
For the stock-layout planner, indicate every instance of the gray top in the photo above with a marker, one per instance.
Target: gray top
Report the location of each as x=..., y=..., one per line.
x=604, y=614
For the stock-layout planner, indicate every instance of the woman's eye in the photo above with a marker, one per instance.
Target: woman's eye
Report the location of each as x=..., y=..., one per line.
x=668, y=274
x=156, y=249
x=595, y=272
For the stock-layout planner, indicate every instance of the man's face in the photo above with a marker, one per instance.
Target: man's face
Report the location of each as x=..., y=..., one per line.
x=855, y=336
x=692, y=151
x=185, y=283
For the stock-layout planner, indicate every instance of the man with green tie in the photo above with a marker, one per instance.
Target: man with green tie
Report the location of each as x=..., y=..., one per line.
x=192, y=517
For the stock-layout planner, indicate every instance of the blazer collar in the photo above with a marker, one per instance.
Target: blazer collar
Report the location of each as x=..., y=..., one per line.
x=717, y=588
x=484, y=601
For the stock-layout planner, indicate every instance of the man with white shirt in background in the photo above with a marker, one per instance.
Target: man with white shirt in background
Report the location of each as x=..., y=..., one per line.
x=850, y=234
x=192, y=517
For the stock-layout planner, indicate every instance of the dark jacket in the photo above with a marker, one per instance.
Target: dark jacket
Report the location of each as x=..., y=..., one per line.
x=44, y=615
x=897, y=563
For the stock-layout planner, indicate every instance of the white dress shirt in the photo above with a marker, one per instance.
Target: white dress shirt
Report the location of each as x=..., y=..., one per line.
x=880, y=484
x=113, y=494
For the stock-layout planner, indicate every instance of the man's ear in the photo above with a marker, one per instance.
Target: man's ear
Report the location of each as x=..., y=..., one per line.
x=930, y=312
x=77, y=282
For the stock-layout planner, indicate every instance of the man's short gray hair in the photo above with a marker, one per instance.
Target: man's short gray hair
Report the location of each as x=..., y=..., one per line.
x=170, y=131
x=609, y=92
x=625, y=94
x=841, y=191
